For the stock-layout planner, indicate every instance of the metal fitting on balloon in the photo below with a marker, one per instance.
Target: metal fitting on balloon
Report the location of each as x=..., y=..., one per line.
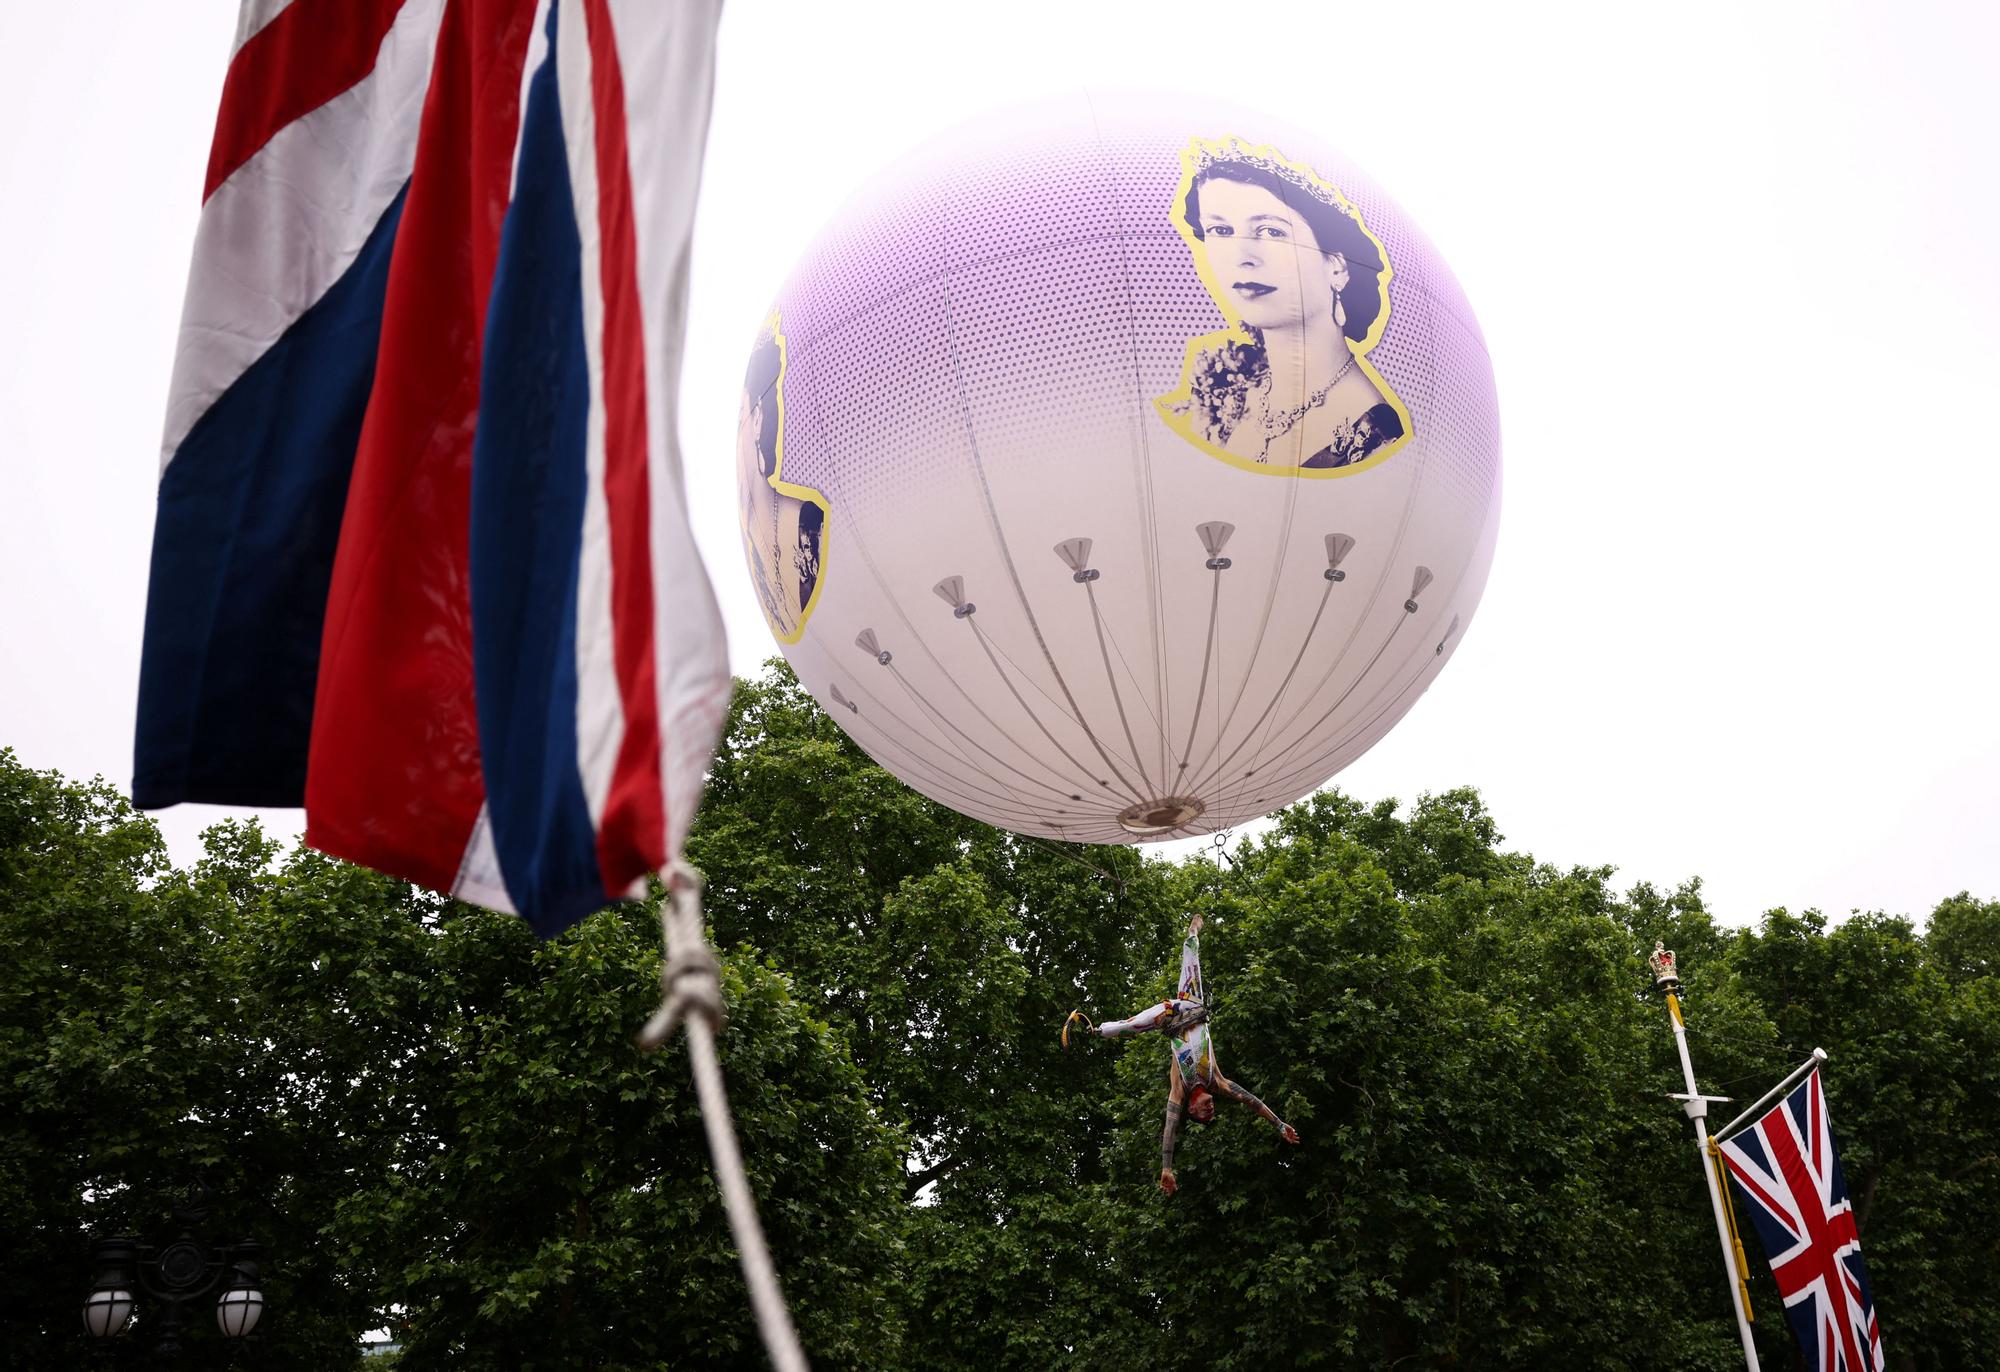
x=867, y=643
x=1417, y=584
x=1338, y=546
x=952, y=592
x=1215, y=537
x=1075, y=553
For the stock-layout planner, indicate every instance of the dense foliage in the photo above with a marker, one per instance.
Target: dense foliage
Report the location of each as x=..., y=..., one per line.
x=438, y=1125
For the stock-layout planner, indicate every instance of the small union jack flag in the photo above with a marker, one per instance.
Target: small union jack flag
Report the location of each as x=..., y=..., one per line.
x=1786, y=1168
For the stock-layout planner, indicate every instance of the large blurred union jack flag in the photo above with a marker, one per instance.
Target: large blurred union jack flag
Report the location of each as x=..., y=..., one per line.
x=423, y=561
x=1787, y=1169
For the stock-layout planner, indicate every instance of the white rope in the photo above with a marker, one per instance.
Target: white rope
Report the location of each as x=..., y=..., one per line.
x=691, y=993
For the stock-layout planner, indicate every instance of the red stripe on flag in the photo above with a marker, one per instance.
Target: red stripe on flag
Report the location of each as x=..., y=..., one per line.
x=631, y=835
x=394, y=779
x=310, y=53
x=1825, y=1235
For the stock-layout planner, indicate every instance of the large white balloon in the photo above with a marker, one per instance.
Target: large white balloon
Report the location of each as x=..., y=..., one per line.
x=1119, y=470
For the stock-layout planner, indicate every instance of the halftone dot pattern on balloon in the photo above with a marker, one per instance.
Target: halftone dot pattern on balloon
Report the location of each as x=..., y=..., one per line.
x=1085, y=265
x=1026, y=303
x=870, y=395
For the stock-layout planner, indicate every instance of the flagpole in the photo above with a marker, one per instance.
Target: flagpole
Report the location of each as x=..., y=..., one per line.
x=1784, y=1087
x=1666, y=980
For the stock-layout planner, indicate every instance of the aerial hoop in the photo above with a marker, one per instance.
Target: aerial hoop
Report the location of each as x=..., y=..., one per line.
x=1074, y=1016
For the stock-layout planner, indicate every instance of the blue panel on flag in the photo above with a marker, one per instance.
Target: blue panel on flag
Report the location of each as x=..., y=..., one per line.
x=249, y=516
x=529, y=478
x=1752, y=1149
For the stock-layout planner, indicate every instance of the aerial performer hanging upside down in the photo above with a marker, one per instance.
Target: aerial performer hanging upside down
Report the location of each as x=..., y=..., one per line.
x=1193, y=1079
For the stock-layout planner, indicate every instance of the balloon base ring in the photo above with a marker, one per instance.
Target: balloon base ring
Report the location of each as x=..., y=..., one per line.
x=1158, y=818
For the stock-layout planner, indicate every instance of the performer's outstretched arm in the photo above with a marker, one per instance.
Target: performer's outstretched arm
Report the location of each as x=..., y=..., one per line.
x=1224, y=1086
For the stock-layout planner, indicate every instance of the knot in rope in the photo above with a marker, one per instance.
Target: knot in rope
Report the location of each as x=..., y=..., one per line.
x=690, y=976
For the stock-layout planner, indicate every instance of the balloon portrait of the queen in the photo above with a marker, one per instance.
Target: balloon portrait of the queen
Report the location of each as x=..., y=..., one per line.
x=784, y=525
x=1287, y=388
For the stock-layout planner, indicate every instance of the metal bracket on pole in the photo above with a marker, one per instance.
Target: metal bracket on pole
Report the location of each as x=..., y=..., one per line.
x=1696, y=1106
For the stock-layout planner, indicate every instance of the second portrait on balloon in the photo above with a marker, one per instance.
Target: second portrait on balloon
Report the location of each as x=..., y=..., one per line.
x=784, y=525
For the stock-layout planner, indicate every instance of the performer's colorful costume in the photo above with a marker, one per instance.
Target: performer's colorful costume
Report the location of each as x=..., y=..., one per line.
x=1184, y=1020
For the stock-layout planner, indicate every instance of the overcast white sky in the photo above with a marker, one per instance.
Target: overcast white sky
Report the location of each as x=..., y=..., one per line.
x=1737, y=265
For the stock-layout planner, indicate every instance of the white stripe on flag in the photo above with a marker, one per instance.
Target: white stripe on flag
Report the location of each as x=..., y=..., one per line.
x=667, y=53
x=600, y=710
x=252, y=17
x=289, y=222
x=479, y=880
x=538, y=51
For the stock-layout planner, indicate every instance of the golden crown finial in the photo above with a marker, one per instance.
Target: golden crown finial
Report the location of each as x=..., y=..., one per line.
x=1665, y=974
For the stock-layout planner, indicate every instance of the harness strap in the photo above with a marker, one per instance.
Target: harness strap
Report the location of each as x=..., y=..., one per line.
x=1184, y=1020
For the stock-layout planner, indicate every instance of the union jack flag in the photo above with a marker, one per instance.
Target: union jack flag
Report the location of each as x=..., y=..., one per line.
x=423, y=561
x=1786, y=1167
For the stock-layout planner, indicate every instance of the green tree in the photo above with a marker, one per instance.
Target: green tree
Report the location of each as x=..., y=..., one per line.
x=430, y=1119
x=1488, y=1177
x=131, y=1067
x=439, y=1123
x=944, y=951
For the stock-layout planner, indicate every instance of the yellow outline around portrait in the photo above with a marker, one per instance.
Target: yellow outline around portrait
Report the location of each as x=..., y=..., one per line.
x=1177, y=407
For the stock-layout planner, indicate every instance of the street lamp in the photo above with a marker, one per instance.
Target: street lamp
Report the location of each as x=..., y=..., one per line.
x=174, y=1276
x=108, y=1308
x=242, y=1302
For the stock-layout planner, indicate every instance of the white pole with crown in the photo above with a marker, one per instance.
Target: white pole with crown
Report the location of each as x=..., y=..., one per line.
x=1667, y=981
